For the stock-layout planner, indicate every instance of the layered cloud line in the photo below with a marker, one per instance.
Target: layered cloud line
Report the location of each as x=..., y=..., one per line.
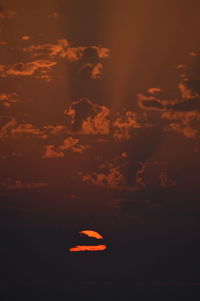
x=41, y=59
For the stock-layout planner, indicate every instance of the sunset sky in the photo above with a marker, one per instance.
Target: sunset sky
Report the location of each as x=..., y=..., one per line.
x=100, y=131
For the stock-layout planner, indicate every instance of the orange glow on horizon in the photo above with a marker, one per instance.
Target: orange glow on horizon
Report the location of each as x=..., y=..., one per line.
x=91, y=233
x=88, y=248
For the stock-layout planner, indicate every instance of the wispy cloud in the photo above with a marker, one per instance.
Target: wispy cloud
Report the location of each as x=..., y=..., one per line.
x=18, y=185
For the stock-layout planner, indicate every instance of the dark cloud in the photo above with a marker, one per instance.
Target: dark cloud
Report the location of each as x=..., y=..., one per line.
x=188, y=105
x=88, y=118
x=193, y=85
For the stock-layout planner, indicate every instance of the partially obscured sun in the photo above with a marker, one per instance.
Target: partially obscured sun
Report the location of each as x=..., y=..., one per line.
x=93, y=234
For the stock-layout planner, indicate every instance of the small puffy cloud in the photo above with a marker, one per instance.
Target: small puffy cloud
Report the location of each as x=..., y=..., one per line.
x=154, y=90
x=18, y=185
x=124, y=155
x=72, y=144
x=189, y=88
x=181, y=66
x=113, y=179
x=185, y=123
x=55, y=129
x=54, y=15
x=51, y=152
x=6, y=13
x=25, y=38
x=103, y=52
x=124, y=125
x=95, y=70
x=108, y=177
x=193, y=53
x=7, y=99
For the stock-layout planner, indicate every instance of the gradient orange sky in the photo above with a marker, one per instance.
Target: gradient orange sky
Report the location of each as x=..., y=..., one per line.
x=100, y=125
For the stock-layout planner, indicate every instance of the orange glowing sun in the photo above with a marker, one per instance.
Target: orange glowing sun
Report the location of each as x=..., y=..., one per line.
x=92, y=234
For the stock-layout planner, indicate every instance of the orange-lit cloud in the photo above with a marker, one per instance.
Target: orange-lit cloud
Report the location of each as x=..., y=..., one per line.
x=89, y=118
x=181, y=66
x=5, y=129
x=102, y=52
x=180, y=115
x=113, y=179
x=91, y=233
x=154, y=90
x=51, y=152
x=185, y=123
x=28, y=129
x=63, y=49
x=55, y=129
x=25, y=38
x=186, y=91
x=38, y=68
x=72, y=144
x=7, y=99
x=14, y=129
x=95, y=70
x=98, y=124
x=124, y=125
x=154, y=103
x=88, y=248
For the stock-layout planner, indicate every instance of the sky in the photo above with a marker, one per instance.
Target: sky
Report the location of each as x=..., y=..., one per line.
x=100, y=131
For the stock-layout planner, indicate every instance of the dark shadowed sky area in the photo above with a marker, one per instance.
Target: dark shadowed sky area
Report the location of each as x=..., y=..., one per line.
x=100, y=130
